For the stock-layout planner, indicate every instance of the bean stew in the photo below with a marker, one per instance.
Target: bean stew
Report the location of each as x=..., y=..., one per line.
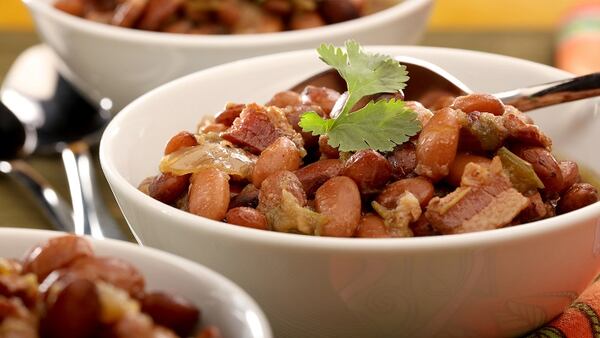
x=472, y=164
x=222, y=16
x=61, y=289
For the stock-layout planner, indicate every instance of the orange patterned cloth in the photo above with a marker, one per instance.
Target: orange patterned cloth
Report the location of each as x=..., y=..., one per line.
x=580, y=320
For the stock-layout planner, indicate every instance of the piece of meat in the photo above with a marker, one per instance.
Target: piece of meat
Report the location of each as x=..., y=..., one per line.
x=485, y=200
x=259, y=126
x=524, y=133
x=294, y=114
x=536, y=209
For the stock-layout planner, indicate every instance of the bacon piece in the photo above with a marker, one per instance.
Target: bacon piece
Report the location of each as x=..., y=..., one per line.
x=259, y=126
x=485, y=200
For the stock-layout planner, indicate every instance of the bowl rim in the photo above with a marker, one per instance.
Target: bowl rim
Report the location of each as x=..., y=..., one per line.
x=197, y=223
x=233, y=41
x=196, y=270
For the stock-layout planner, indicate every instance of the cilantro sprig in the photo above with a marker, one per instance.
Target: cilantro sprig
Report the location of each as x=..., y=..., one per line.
x=379, y=125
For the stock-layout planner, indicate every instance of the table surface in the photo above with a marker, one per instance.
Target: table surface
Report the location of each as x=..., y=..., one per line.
x=17, y=209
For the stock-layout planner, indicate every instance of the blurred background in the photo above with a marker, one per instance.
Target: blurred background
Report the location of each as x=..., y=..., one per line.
x=527, y=29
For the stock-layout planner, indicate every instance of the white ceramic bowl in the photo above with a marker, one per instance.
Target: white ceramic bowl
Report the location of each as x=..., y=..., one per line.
x=122, y=64
x=223, y=303
x=490, y=284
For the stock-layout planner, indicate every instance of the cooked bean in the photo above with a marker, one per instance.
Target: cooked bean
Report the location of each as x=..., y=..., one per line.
x=372, y=226
x=127, y=13
x=231, y=112
x=423, y=114
x=403, y=160
x=248, y=197
x=577, y=196
x=315, y=174
x=326, y=150
x=320, y=96
x=306, y=19
x=56, y=253
x=369, y=169
x=458, y=166
x=279, y=155
x=111, y=270
x=270, y=193
x=279, y=7
x=75, y=313
x=183, y=139
x=167, y=187
x=210, y=332
x=570, y=173
x=285, y=99
x=339, y=200
x=228, y=12
x=247, y=217
x=479, y=102
x=334, y=11
x=437, y=144
x=545, y=166
x=170, y=311
x=213, y=128
x=209, y=193
x=73, y=7
x=420, y=187
x=157, y=12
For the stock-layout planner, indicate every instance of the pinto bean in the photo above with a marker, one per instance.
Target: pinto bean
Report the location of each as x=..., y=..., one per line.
x=403, y=160
x=111, y=270
x=321, y=96
x=270, y=193
x=339, y=200
x=315, y=174
x=334, y=11
x=247, y=217
x=54, y=254
x=437, y=144
x=183, y=139
x=285, y=99
x=458, y=166
x=279, y=155
x=173, y=312
x=167, y=187
x=372, y=226
x=127, y=13
x=570, y=173
x=306, y=19
x=231, y=112
x=158, y=12
x=278, y=7
x=73, y=7
x=420, y=187
x=479, y=102
x=326, y=150
x=209, y=193
x=74, y=313
x=423, y=114
x=369, y=169
x=577, y=196
x=544, y=165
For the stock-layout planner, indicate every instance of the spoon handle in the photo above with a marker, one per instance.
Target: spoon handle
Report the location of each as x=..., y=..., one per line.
x=552, y=93
x=90, y=214
x=56, y=209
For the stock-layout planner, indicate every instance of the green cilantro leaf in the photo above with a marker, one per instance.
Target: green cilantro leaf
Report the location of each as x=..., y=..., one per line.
x=379, y=125
x=365, y=73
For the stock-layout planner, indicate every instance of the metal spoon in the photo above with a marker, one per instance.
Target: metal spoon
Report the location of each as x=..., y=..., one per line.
x=18, y=141
x=426, y=77
x=66, y=123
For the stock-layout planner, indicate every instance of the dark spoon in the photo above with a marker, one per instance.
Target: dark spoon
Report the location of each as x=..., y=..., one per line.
x=66, y=123
x=426, y=77
x=18, y=141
